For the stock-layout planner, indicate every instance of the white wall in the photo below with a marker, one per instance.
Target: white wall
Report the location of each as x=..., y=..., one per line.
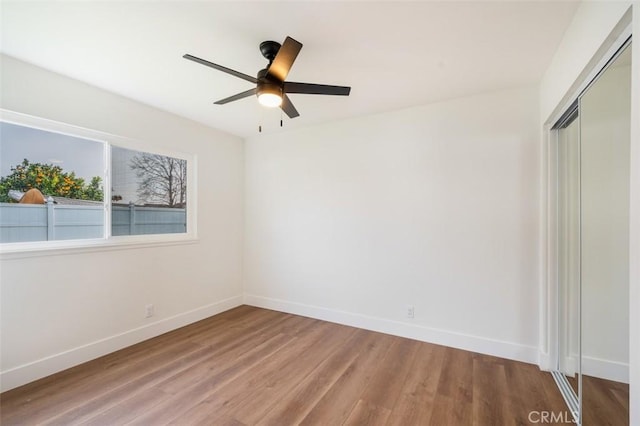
x=434, y=206
x=584, y=43
x=59, y=310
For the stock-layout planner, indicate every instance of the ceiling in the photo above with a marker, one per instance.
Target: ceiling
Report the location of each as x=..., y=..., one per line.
x=393, y=54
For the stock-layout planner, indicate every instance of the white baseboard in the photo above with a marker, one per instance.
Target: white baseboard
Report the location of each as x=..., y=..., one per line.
x=545, y=362
x=528, y=354
x=605, y=369
x=26, y=373
x=571, y=364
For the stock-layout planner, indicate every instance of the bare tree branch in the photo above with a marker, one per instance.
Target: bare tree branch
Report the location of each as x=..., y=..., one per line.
x=162, y=179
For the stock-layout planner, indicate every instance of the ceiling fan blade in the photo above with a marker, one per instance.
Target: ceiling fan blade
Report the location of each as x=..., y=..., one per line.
x=221, y=68
x=288, y=108
x=236, y=97
x=279, y=68
x=316, y=89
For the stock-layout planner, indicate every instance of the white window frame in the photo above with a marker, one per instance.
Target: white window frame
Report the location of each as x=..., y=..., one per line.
x=107, y=242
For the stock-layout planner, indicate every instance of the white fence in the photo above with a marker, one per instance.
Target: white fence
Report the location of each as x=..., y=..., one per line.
x=135, y=220
x=33, y=222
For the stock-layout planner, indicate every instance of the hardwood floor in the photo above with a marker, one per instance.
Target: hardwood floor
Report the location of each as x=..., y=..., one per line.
x=605, y=402
x=251, y=366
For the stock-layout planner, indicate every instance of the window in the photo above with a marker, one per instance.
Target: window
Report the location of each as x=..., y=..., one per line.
x=51, y=185
x=148, y=193
x=58, y=182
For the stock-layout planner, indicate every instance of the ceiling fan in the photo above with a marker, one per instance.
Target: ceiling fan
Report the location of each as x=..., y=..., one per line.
x=271, y=87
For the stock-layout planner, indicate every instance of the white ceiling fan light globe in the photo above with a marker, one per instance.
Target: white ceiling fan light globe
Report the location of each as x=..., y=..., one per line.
x=269, y=99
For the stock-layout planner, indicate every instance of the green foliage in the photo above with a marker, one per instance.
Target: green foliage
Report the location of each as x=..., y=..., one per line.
x=50, y=180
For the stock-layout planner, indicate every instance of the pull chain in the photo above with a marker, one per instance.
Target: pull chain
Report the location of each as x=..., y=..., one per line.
x=261, y=119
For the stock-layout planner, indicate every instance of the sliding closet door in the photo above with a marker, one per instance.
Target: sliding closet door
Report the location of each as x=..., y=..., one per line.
x=569, y=249
x=604, y=222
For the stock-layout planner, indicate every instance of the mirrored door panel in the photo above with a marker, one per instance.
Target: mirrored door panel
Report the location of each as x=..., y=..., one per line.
x=605, y=117
x=569, y=249
x=592, y=245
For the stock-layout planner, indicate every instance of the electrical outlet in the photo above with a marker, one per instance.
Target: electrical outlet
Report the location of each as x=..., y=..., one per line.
x=148, y=311
x=411, y=313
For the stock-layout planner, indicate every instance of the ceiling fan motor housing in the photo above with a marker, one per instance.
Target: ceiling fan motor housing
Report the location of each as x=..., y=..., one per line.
x=267, y=84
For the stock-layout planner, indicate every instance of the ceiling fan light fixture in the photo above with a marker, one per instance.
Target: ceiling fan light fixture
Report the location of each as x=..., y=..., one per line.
x=271, y=82
x=270, y=96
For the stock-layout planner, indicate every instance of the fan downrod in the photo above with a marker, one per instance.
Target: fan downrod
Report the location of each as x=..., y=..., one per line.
x=269, y=49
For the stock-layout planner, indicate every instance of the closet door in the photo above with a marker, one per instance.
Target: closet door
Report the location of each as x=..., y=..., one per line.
x=569, y=250
x=604, y=230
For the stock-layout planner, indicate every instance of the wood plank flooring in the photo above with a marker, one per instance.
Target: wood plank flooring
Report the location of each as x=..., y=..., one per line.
x=605, y=402
x=251, y=366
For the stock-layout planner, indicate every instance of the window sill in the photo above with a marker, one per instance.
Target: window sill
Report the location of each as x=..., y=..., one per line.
x=70, y=247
